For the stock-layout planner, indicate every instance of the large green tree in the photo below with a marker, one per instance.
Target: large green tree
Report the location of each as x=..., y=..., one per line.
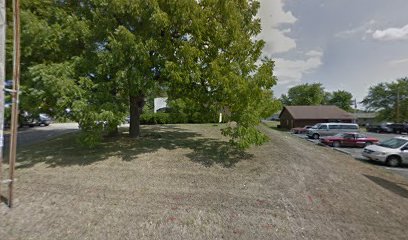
x=314, y=94
x=341, y=99
x=51, y=37
x=305, y=94
x=101, y=59
x=389, y=99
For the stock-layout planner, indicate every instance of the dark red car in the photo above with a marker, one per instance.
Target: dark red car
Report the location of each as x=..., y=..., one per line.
x=348, y=140
x=302, y=130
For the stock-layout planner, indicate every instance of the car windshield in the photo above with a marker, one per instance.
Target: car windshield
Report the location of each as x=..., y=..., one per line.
x=393, y=143
x=361, y=136
x=339, y=135
x=316, y=126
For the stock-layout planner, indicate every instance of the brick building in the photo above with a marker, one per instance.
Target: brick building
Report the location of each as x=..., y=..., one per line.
x=300, y=116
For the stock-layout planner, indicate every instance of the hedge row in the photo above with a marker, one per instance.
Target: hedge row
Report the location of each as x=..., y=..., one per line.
x=173, y=118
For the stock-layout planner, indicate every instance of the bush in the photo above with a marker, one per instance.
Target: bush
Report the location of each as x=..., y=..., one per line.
x=174, y=118
x=155, y=118
x=178, y=118
x=243, y=137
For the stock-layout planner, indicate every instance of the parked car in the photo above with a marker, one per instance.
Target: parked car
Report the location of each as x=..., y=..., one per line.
x=381, y=128
x=44, y=119
x=32, y=120
x=350, y=139
x=330, y=129
x=393, y=151
x=27, y=120
x=302, y=130
x=398, y=128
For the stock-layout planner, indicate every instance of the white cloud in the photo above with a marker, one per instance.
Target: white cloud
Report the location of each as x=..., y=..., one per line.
x=276, y=42
x=399, y=61
x=275, y=21
x=273, y=16
x=390, y=34
x=288, y=30
x=314, y=53
x=365, y=28
x=292, y=71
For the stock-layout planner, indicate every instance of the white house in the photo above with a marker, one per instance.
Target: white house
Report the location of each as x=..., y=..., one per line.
x=159, y=103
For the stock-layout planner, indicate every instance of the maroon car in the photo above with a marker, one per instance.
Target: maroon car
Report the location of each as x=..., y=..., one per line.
x=348, y=140
x=302, y=130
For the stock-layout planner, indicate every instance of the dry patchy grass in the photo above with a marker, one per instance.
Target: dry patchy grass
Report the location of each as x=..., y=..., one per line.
x=185, y=182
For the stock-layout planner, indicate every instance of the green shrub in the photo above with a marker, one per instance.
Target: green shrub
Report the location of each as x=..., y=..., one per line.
x=155, y=118
x=149, y=118
x=243, y=137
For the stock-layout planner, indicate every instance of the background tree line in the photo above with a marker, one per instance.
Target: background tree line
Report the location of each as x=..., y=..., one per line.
x=388, y=99
x=314, y=94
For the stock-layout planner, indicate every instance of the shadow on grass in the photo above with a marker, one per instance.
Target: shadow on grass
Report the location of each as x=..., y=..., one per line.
x=65, y=151
x=393, y=187
x=3, y=200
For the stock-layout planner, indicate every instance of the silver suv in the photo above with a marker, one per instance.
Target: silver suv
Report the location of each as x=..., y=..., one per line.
x=393, y=151
x=330, y=129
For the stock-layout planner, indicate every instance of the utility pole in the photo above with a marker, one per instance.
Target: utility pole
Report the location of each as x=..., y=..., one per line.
x=353, y=103
x=15, y=97
x=3, y=22
x=398, y=106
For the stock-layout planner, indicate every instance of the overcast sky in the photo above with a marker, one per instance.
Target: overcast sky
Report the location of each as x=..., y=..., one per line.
x=343, y=44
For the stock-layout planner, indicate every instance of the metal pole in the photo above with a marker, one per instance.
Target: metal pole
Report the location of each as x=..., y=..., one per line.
x=2, y=79
x=15, y=96
x=398, y=106
x=355, y=110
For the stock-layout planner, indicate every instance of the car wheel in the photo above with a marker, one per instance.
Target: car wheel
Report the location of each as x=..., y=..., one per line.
x=393, y=161
x=336, y=144
x=315, y=136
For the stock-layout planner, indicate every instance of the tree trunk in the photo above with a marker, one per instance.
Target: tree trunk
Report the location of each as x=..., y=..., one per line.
x=136, y=106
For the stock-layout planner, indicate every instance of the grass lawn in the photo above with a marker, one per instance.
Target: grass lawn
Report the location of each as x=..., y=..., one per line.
x=271, y=124
x=185, y=182
x=205, y=143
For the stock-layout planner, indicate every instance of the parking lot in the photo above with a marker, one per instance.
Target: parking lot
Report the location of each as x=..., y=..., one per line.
x=357, y=152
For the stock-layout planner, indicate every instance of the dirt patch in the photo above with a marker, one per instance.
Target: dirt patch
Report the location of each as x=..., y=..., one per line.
x=184, y=182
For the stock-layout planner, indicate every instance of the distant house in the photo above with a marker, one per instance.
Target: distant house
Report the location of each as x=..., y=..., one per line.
x=159, y=103
x=300, y=116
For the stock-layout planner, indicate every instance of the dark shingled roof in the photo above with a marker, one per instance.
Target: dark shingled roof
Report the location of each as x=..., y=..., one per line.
x=317, y=112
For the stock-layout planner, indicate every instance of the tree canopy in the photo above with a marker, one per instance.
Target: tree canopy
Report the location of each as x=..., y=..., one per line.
x=305, y=94
x=315, y=94
x=102, y=58
x=389, y=99
x=341, y=99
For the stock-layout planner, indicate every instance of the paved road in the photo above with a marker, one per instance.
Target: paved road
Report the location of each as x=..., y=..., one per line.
x=29, y=136
x=356, y=153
